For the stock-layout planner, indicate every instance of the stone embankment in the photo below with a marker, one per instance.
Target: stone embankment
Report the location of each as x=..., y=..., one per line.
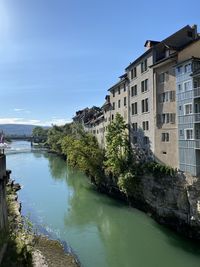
x=172, y=201
x=30, y=249
x=19, y=246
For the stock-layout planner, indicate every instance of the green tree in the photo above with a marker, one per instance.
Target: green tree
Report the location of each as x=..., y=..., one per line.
x=39, y=134
x=83, y=152
x=118, y=151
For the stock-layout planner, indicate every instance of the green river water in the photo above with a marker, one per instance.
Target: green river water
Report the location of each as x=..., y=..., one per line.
x=103, y=232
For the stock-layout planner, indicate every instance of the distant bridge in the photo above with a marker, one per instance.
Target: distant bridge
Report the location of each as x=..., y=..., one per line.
x=20, y=137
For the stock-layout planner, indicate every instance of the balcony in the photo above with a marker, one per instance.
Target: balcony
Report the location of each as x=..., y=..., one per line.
x=194, y=93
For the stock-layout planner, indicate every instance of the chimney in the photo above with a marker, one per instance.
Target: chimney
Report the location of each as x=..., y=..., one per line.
x=194, y=28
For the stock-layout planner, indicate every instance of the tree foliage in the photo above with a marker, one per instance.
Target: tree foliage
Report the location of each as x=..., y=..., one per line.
x=40, y=134
x=118, y=152
x=84, y=153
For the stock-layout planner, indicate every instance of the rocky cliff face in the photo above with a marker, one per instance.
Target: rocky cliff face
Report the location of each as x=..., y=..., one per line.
x=174, y=201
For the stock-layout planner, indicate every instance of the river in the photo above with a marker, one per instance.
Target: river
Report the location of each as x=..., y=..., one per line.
x=103, y=232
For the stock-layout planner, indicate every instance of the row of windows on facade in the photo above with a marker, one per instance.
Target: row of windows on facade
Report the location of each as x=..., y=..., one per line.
x=119, y=103
x=188, y=134
x=145, y=126
x=166, y=118
x=144, y=105
x=188, y=108
x=144, y=87
x=168, y=96
x=183, y=69
x=119, y=89
x=143, y=68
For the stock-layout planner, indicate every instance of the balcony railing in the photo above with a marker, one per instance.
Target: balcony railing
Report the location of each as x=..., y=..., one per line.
x=194, y=93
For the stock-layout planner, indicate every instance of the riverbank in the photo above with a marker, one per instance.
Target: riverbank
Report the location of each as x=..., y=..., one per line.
x=173, y=201
x=23, y=247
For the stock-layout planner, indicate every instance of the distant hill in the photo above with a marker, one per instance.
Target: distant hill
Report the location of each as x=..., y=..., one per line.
x=17, y=129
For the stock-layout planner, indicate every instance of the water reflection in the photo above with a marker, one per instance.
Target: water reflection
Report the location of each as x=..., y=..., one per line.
x=103, y=232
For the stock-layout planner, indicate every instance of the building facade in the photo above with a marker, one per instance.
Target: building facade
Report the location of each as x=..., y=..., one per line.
x=159, y=99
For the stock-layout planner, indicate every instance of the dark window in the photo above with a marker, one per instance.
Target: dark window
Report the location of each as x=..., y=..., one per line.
x=145, y=105
x=124, y=101
x=134, y=90
x=134, y=108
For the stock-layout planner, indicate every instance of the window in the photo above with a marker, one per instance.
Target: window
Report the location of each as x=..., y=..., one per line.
x=112, y=117
x=188, y=68
x=134, y=90
x=187, y=86
x=134, y=108
x=179, y=87
x=145, y=125
x=113, y=105
x=179, y=70
x=135, y=127
x=131, y=74
x=189, y=134
x=181, y=132
x=113, y=93
x=144, y=66
x=145, y=105
x=119, y=90
x=124, y=101
x=124, y=87
x=188, y=109
x=163, y=77
x=134, y=73
x=144, y=86
x=165, y=137
x=168, y=96
x=166, y=118
x=119, y=103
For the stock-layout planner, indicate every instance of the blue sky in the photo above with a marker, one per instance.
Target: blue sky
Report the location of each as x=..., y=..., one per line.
x=58, y=56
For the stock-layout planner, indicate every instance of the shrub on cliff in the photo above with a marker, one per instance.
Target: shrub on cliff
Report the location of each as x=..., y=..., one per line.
x=126, y=183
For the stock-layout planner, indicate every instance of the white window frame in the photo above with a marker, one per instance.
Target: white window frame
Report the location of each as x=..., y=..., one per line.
x=188, y=104
x=189, y=129
x=190, y=85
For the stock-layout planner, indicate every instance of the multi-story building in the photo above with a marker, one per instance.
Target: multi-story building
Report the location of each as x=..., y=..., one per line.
x=160, y=116
x=141, y=113
x=188, y=107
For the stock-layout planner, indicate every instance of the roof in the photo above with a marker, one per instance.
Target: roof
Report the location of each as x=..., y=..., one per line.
x=117, y=84
x=152, y=42
x=166, y=42
x=139, y=58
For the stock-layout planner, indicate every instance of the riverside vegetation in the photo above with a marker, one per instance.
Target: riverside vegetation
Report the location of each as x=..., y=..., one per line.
x=124, y=172
x=114, y=168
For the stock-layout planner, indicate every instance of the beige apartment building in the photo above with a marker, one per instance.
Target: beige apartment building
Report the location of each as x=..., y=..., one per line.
x=141, y=112
x=146, y=97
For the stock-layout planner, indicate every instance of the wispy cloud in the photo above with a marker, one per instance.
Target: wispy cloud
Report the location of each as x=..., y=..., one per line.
x=16, y=120
x=18, y=109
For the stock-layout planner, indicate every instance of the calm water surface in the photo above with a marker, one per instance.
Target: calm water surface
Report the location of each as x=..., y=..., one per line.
x=103, y=232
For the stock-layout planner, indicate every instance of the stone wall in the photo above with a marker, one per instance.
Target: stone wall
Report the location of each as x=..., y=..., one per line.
x=173, y=201
x=3, y=181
